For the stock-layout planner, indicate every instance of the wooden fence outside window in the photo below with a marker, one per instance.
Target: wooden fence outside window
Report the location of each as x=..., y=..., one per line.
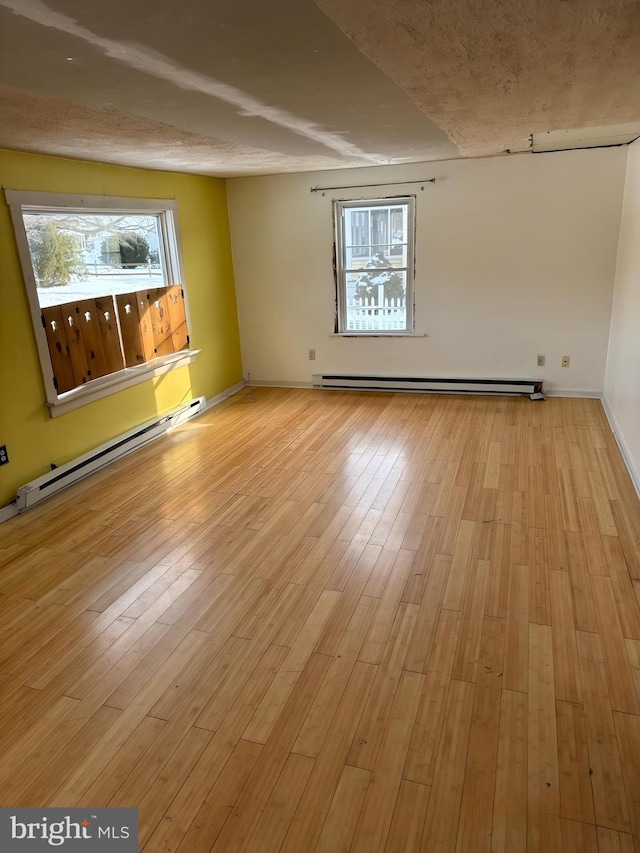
x=90, y=338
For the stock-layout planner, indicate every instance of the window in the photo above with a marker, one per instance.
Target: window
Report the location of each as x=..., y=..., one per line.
x=105, y=288
x=374, y=265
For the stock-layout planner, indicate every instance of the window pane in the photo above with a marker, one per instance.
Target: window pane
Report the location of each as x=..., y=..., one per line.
x=83, y=256
x=374, y=230
x=358, y=233
x=357, y=257
x=376, y=300
x=398, y=230
x=380, y=228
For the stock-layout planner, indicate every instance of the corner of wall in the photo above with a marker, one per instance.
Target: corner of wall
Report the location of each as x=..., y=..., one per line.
x=622, y=446
x=621, y=396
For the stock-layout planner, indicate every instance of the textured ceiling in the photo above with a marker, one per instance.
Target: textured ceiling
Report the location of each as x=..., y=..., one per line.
x=292, y=85
x=492, y=73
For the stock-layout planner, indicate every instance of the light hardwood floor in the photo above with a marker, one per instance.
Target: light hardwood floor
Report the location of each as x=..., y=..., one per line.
x=337, y=622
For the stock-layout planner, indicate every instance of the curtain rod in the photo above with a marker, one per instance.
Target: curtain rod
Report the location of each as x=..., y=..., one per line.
x=366, y=186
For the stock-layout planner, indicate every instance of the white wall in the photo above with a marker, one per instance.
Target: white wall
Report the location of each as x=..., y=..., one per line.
x=622, y=383
x=515, y=256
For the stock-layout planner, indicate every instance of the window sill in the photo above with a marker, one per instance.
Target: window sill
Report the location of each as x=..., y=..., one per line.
x=374, y=334
x=106, y=385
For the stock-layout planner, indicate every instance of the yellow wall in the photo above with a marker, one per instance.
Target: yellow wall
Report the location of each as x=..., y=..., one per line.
x=33, y=439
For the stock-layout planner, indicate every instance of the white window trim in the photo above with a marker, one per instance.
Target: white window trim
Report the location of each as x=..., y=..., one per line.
x=368, y=333
x=106, y=385
x=19, y=202
x=340, y=281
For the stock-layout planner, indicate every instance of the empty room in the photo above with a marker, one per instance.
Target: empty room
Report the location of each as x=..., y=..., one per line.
x=320, y=426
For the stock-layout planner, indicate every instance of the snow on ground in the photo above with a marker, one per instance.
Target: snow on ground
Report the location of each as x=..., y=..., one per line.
x=90, y=288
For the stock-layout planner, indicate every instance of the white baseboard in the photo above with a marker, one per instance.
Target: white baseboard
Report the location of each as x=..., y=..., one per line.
x=8, y=511
x=573, y=392
x=617, y=434
x=265, y=383
x=224, y=395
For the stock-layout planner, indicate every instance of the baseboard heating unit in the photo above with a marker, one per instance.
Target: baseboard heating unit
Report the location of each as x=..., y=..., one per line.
x=59, y=478
x=528, y=387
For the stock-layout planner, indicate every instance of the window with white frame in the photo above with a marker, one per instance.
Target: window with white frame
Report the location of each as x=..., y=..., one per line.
x=374, y=265
x=104, y=282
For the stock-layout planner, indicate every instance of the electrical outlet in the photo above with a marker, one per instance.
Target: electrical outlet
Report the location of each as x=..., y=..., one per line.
x=540, y=361
x=312, y=355
x=565, y=360
x=4, y=456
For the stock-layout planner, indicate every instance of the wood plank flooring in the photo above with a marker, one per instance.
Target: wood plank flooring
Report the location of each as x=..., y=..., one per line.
x=332, y=622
